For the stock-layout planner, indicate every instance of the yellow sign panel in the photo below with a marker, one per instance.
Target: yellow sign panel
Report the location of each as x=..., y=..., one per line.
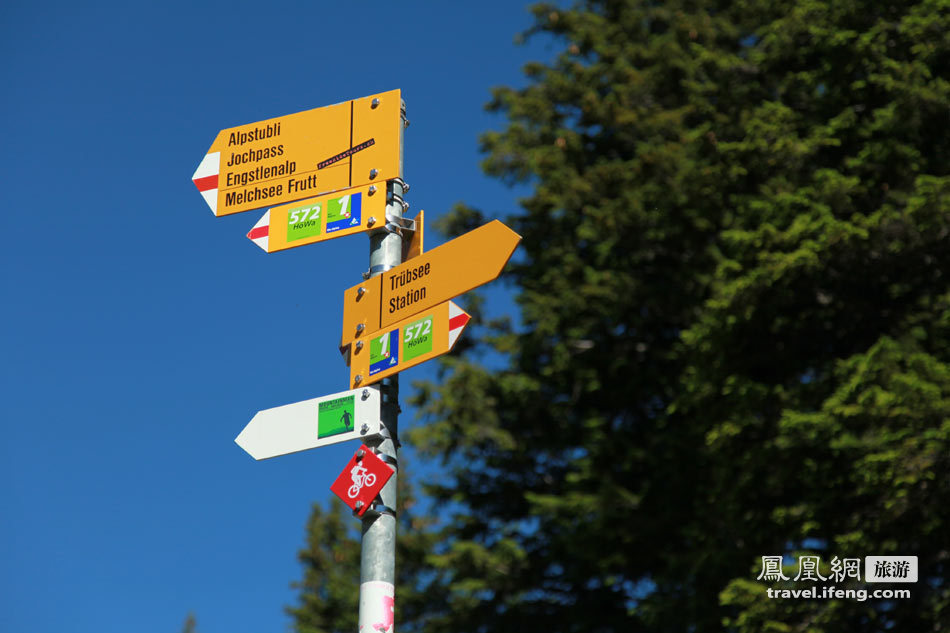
x=425, y=281
x=321, y=218
x=303, y=155
x=406, y=344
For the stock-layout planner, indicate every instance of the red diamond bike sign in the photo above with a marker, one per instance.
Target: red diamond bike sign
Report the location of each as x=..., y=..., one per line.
x=361, y=480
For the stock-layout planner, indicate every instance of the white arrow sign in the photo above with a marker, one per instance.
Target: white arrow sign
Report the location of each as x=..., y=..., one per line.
x=348, y=415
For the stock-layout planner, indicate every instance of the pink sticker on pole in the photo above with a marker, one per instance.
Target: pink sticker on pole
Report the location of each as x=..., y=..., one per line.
x=377, y=607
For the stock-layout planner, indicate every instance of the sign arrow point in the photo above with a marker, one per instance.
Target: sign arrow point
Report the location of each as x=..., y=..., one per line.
x=261, y=232
x=458, y=319
x=206, y=179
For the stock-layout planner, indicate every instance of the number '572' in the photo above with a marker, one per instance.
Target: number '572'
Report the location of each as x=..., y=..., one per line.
x=417, y=330
x=302, y=215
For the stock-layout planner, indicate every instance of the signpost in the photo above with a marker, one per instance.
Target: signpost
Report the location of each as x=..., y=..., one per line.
x=319, y=219
x=339, y=417
x=406, y=343
x=303, y=155
x=325, y=173
x=431, y=278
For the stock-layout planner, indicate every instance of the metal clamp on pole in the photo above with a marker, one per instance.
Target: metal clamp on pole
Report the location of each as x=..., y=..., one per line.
x=406, y=224
x=387, y=459
x=396, y=224
x=394, y=221
x=388, y=227
x=402, y=183
x=391, y=227
x=378, y=509
x=395, y=198
x=378, y=268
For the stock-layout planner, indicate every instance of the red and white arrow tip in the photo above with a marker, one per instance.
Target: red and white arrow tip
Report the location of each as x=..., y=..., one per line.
x=458, y=319
x=206, y=179
x=260, y=232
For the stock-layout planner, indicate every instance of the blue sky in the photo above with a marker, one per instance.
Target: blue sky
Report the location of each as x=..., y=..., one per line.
x=141, y=333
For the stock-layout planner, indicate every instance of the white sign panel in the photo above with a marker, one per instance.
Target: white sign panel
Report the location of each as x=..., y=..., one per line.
x=348, y=415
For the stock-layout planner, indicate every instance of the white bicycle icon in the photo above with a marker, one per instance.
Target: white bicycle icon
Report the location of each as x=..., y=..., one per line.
x=360, y=478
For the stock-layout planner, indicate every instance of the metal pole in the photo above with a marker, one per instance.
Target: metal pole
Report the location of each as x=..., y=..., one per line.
x=378, y=550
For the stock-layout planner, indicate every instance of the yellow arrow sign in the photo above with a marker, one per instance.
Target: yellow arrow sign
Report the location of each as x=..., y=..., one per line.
x=302, y=155
x=425, y=281
x=406, y=344
x=321, y=218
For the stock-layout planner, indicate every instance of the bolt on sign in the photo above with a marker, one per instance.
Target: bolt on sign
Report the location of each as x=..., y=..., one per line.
x=361, y=480
x=428, y=280
x=302, y=155
x=338, y=417
x=322, y=218
x=406, y=344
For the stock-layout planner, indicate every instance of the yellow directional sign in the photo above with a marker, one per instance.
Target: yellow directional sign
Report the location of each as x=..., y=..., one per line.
x=303, y=155
x=425, y=281
x=406, y=344
x=321, y=218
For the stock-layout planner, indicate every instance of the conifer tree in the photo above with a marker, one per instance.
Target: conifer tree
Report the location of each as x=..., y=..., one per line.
x=735, y=324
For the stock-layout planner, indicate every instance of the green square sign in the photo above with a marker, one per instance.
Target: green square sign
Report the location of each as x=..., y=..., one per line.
x=303, y=222
x=417, y=338
x=336, y=416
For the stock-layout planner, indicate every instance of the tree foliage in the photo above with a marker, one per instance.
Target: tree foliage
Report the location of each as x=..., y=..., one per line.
x=734, y=336
x=733, y=289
